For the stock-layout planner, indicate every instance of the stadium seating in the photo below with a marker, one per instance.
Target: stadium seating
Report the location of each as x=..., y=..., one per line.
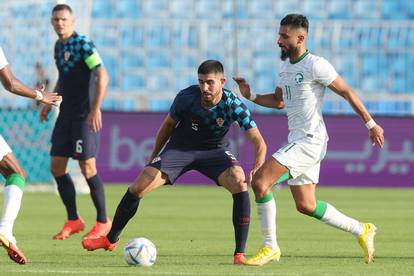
x=310, y=6
x=366, y=9
x=158, y=105
x=102, y=9
x=153, y=47
x=392, y=9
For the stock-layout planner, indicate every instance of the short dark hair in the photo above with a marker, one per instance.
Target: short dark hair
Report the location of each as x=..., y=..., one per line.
x=62, y=7
x=295, y=20
x=210, y=66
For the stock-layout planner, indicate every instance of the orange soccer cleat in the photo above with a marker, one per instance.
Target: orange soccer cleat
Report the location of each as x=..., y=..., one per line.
x=71, y=227
x=100, y=242
x=14, y=253
x=99, y=229
x=239, y=259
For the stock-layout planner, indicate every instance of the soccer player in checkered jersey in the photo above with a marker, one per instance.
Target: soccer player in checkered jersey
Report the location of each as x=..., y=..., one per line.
x=10, y=167
x=300, y=90
x=193, y=134
x=82, y=82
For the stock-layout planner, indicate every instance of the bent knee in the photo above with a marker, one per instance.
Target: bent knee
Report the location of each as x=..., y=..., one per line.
x=240, y=185
x=235, y=179
x=18, y=171
x=88, y=171
x=23, y=173
x=306, y=208
x=135, y=190
x=259, y=186
x=88, y=168
x=58, y=167
x=57, y=170
x=149, y=179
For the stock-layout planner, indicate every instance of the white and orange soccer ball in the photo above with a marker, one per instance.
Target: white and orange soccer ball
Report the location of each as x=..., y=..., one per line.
x=140, y=252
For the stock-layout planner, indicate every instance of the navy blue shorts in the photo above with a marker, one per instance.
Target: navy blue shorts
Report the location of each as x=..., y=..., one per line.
x=74, y=138
x=211, y=163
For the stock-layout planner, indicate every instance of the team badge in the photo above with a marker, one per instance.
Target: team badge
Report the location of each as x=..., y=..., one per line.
x=66, y=56
x=220, y=122
x=299, y=78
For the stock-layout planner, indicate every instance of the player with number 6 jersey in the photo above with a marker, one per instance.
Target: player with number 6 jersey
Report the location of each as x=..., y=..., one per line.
x=82, y=81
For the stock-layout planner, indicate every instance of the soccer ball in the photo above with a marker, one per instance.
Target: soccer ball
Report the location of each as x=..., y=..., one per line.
x=140, y=251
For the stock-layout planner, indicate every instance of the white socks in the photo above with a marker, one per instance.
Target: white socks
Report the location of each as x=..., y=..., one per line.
x=324, y=212
x=267, y=216
x=338, y=220
x=11, y=206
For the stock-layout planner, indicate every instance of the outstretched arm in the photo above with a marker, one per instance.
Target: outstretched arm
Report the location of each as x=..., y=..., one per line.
x=15, y=86
x=254, y=136
x=272, y=100
x=376, y=133
x=163, y=134
x=44, y=112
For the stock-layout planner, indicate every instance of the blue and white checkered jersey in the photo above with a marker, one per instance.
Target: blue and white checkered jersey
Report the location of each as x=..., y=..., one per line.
x=203, y=128
x=75, y=60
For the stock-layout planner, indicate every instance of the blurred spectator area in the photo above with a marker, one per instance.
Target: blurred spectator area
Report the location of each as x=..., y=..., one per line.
x=152, y=48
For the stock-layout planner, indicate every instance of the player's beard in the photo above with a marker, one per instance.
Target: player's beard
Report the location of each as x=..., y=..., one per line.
x=285, y=54
x=206, y=100
x=210, y=100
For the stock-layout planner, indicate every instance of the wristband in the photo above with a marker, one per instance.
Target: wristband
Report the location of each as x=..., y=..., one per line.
x=39, y=95
x=253, y=96
x=370, y=124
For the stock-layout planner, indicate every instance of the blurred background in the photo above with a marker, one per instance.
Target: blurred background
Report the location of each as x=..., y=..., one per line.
x=152, y=48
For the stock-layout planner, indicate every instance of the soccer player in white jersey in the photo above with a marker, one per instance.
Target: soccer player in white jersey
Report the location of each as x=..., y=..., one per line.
x=300, y=90
x=10, y=167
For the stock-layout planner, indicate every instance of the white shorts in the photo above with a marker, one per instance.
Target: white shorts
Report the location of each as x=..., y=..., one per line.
x=303, y=159
x=4, y=148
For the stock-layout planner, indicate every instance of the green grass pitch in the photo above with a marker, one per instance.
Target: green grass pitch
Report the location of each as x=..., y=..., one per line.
x=191, y=227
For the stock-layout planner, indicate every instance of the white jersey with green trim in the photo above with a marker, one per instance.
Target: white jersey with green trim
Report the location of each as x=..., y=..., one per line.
x=3, y=60
x=4, y=147
x=303, y=84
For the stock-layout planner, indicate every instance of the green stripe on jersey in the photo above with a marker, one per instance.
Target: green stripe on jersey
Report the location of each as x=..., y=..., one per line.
x=320, y=209
x=93, y=60
x=15, y=179
x=301, y=57
x=265, y=199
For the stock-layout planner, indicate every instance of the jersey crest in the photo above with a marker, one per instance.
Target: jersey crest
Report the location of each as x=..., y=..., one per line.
x=66, y=56
x=299, y=77
x=220, y=122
